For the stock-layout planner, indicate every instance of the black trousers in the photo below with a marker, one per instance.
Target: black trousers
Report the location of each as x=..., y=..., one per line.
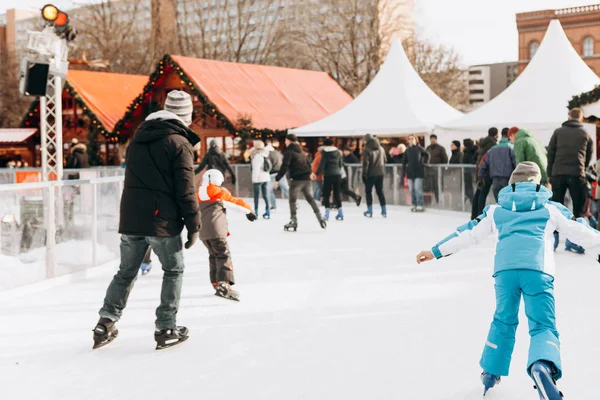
x=219, y=259
x=332, y=183
x=577, y=188
x=480, y=197
x=377, y=182
x=346, y=190
x=304, y=187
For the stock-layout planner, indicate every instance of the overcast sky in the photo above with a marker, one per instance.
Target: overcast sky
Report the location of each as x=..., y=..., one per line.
x=481, y=31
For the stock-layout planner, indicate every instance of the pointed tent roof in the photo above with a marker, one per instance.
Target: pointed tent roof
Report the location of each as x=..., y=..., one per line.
x=537, y=99
x=396, y=102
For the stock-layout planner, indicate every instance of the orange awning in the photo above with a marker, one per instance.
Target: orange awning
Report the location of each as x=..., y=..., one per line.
x=108, y=95
x=276, y=98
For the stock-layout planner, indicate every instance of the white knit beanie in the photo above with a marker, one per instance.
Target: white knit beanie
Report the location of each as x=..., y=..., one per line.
x=180, y=104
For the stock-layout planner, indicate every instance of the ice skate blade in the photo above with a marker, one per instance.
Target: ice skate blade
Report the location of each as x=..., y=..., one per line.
x=227, y=297
x=167, y=345
x=101, y=343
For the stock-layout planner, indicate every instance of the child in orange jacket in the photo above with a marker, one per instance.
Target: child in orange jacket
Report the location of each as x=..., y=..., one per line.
x=214, y=199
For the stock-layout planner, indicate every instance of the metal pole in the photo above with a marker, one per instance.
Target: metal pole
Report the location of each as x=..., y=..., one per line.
x=395, y=185
x=50, y=233
x=462, y=186
x=44, y=137
x=94, y=224
x=237, y=181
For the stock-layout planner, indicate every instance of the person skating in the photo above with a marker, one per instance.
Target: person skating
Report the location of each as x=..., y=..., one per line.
x=373, y=171
x=331, y=167
x=349, y=158
x=214, y=200
x=414, y=162
x=276, y=159
x=523, y=223
x=158, y=201
x=215, y=159
x=261, y=176
x=499, y=164
x=297, y=164
x=483, y=185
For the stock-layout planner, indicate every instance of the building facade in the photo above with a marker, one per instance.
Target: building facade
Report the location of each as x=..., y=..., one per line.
x=14, y=25
x=487, y=81
x=581, y=25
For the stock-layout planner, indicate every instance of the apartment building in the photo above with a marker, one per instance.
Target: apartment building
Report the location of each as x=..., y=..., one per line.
x=487, y=81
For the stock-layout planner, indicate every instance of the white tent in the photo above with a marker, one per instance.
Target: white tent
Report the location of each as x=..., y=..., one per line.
x=397, y=102
x=537, y=100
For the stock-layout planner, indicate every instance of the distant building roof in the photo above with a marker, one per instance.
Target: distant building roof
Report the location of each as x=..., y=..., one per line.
x=16, y=135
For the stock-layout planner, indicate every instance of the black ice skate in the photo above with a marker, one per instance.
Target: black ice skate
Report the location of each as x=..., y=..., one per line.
x=542, y=373
x=104, y=333
x=166, y=338
x=322, y=221
x=292, y=225
x=224, y=290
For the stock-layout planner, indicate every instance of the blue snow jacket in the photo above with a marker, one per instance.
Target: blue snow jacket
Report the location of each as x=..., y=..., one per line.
x=523, y=223
x=500, y=161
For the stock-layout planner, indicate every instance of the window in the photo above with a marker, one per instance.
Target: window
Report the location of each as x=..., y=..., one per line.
x=533, y=48
x=475, y=101
x=476, y=82
x=588, y=46
x=475, y=72
x=476, y=91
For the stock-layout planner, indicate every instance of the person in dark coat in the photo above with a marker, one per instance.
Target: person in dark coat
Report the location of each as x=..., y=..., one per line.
x=158, y=201
x=79, y=157
x=499, y=164
x=457, y=155
x=331, y=167
x=349, y=176
x=296, y=163
x=483, y=185
x=276, y=159
x=569, y=155
x=373, y=170
x=414, y=162
x=215, y=159
x=437, y=155
x=469, y=158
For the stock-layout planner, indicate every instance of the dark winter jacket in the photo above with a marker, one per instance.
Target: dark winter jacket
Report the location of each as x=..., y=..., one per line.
x=456, y=157
x=398, y=159
x=351, y=159
x=79, y=157
x=373, y=163
x=215, y=159
x=159, y=196
x=470, y=153
x=296, y=162
x=331, y=162
x=276, y=159
x=569, y=151
x=437, y=154
x=500, y=161
x=485, y=145
x=529, y=148
x=415, y=158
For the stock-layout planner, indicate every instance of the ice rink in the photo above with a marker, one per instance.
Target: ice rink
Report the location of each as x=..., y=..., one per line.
x=339, y=314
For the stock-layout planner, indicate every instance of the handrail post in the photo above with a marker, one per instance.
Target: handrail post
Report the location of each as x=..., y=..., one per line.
x=94, y=224
x=462, y=186
x=50, y=232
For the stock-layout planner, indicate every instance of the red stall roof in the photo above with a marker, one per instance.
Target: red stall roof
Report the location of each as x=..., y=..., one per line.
x=276, y=98
x=108, y=95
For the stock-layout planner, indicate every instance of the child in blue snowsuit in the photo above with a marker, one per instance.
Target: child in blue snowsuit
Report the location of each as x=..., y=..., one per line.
x=523, y=222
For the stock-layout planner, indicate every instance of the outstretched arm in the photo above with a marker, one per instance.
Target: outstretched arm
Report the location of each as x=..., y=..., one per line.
x=578, y=231
x=465, y=236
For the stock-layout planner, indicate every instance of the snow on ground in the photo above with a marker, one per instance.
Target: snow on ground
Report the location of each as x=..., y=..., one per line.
x=342, y=314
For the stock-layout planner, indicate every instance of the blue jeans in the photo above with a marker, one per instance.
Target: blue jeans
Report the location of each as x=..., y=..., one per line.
x=415, y=186
x=537, y=290
x=283, y=185
x=133, y=249
x=318, y=190
x=258, y=188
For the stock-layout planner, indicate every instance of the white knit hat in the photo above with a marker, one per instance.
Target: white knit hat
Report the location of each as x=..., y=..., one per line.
x=180, y=103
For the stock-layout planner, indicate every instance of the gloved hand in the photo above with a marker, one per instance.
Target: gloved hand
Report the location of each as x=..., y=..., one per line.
x=251, y=217
x=192, y=238
x=233, y=179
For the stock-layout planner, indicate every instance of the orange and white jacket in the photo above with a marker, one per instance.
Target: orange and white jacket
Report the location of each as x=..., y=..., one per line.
x=214, y=200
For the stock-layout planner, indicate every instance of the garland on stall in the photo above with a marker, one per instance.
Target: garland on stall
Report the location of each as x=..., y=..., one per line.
x=167, y=64
x=585, y=98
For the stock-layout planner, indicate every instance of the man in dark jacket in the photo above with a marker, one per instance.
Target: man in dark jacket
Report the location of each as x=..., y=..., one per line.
x=159, y=199
x=483, y=185
x=297, y=164
x=499, y=164
x=349, y=176
x=373, y=170
x=437, y=155
x=215, y=159
x=276, y=159
x=569, y=155
x=470, y=158
x=331, y=167
x=414, y=162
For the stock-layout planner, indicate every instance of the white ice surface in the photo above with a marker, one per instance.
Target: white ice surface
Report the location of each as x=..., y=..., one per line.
x=342, y=314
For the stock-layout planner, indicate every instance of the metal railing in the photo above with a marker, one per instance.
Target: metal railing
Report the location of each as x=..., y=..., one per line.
x=49, y=229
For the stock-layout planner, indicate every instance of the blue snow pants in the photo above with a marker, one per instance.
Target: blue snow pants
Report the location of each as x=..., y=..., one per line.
x=537, y=289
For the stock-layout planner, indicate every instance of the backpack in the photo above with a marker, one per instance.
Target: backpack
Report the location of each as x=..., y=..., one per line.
x=267, y=164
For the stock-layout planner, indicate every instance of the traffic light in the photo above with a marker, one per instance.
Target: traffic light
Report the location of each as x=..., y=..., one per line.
x=34, y=77
x=60, y=20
